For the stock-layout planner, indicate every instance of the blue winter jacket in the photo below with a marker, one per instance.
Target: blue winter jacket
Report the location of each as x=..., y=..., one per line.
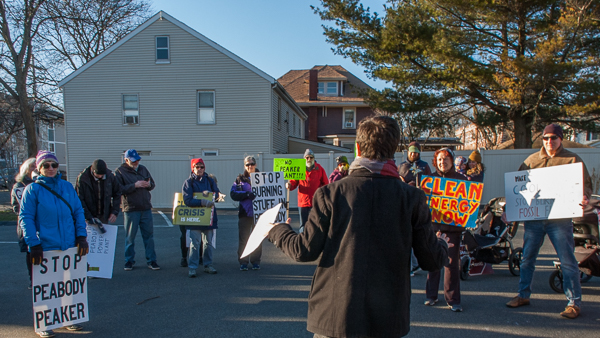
x=199, y=184
x=46, y=219
x=240, y=192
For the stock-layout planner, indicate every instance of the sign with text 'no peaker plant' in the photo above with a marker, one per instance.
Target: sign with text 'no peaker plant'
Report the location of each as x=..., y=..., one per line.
x=452, y=202
x=292, y=168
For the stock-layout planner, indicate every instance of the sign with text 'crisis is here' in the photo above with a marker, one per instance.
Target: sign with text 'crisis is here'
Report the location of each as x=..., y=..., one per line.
x=545, y=193
x=292, y=168
x=60, y=290
x=269, y=188
x=184, y=215
x=452, y=202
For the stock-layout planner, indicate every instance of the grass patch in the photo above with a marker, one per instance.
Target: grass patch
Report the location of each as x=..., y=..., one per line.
x=8, y=216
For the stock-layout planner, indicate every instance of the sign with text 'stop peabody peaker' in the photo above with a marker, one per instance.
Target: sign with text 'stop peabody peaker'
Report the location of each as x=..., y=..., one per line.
x=292, y=168
x=184, y=215
x=269, y=188
x=452, y=202
x=101, y=257
x=60, y=290
x=545, y=193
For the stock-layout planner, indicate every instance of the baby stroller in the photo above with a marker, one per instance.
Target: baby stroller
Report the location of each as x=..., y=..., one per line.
x=491, y=241
x=587, y=246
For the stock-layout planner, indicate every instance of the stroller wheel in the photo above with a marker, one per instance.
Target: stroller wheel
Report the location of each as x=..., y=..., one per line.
x=584, y=278
x=556, y=281
x=464, y=268
x=514, y=261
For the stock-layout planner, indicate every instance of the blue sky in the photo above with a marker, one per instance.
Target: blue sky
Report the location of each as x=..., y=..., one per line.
x=274, y=35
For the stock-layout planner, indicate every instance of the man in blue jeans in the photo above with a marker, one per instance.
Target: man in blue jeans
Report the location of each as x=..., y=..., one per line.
x=136, y=183
x=560, y=231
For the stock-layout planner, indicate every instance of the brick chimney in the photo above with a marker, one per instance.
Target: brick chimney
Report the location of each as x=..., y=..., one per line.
x=313, y=84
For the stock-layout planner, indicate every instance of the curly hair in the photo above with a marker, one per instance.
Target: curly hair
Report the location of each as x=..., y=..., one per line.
x=378, y=137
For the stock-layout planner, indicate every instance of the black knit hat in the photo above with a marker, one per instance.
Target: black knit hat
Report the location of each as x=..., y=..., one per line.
x=99, y=167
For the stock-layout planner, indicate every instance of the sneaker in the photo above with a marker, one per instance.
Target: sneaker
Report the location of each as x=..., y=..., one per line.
x=244, y=267
x=128, y=266
x=46, y=334
x=74, y=327
x=210, y=269
x=152, y=265
x=571, y=312
x=518, y=301
x=455, y=307
x=431, y=302
x=192, y=273
x=183, y=262
x=255, y=267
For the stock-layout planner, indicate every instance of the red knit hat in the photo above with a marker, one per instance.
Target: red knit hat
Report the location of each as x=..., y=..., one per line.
x=196, y=161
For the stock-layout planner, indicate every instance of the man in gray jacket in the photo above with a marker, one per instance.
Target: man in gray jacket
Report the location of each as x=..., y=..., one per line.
x=136, y=183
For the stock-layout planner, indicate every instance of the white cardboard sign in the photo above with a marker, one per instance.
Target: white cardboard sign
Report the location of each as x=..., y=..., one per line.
x=269, y=188
x=101, y=257
x=60, y=290
x=546, y=193
x=261, y=230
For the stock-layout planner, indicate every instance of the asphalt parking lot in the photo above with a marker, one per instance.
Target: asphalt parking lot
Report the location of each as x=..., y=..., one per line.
x=271, y=302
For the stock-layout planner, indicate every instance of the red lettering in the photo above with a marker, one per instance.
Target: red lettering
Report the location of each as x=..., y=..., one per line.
x=462, y=221
x=454, y=205
x=436, y=187
x=449, y=188
x=461, y=191
x=445, y=204
x=436, y=216
x=475, y=191
x=426, y=184
x=463, y=206
x=448, y=217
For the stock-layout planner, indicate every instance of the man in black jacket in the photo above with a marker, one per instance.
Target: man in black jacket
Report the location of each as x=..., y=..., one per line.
x=363, y=227
x=100, y=193
x=136, y=183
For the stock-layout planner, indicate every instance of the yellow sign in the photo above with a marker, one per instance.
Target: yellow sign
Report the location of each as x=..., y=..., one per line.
x=184, y=215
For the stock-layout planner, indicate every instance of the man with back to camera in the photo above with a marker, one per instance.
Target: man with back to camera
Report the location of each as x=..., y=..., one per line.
x=136, y=184
x=100, y=194
x=363, y=228
x=560, y=231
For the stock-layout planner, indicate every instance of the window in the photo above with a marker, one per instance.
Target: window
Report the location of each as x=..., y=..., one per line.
x=349, y=118
x=162, y=49
x=51, y=144
x=327, y=88
x=131, y=110
x=206, y=107
x=208, y=152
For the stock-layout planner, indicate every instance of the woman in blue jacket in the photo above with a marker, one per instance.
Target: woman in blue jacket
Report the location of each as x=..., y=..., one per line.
x=199, y=181
x=47, y=221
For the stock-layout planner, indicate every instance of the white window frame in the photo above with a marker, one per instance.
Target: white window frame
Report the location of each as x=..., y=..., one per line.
x=168, y=49
x=199, y=109
x=131, y=113
x=344, y=124
x=52, y=143
x=327, y=87
x=320, y=87
x=210, y=152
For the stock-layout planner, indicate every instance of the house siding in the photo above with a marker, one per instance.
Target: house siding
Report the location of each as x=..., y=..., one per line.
x=281, y=129
x=167, y=102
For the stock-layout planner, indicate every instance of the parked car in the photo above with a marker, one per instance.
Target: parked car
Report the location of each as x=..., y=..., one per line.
x=9, y=176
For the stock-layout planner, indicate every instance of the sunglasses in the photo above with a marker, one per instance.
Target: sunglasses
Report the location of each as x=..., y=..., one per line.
x=553, y=137
x=48, y=165
x=309, y=157
x=249, y=164
x=199, y=166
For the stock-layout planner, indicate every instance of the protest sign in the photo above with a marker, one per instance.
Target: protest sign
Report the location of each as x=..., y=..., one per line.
x=269, y=188
x=545, y=193
x=184, y=215
x=452, y=202
x=101, y=257
x=292, y=168
x=261, y=230
x=60, y=290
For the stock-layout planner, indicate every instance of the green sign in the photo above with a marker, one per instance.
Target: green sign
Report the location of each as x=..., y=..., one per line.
x=184, y=215
x=292, y=168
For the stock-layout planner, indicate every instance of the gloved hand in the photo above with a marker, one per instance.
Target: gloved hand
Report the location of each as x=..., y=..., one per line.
x=82, y=246
x=251, y=196
x=37, y=254
x=208, y=204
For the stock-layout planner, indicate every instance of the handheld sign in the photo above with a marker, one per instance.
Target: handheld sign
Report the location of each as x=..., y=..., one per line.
x=269, y=188
x=452, y=202
x=544, y=193
x=101, y=257
x=184, y=215
x=60, y=290
x=292, y=168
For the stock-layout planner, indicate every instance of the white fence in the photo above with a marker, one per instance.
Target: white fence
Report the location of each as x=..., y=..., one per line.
x=169, y=172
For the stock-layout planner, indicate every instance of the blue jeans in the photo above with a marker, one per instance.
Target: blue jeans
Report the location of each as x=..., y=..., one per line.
x=143, y=221
x=194, y=252
x=560, y=232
